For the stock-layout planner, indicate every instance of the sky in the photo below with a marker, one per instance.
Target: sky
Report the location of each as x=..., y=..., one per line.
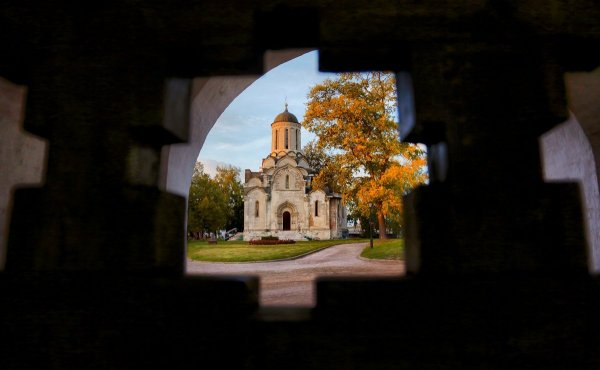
x=242, y=135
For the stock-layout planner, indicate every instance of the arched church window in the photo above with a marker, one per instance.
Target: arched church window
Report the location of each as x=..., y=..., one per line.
x=286, y=138
x=256, y=208
x=316, y=208
x=276, y=138
x=287, y=181
x=297, y=139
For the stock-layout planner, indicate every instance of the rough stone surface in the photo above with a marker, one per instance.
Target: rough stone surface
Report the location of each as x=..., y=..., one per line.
x=22, y=155
x=210, y=97
x=567, y=155
x=94, y=270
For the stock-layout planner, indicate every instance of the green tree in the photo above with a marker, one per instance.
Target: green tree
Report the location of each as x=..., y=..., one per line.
x=353, y=118
x=228, y=181
x=207, y=205
x=329, y=175
x=315, y=156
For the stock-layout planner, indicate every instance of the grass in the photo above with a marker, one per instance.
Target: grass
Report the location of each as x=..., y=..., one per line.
x=241, y=251
x=388, y=249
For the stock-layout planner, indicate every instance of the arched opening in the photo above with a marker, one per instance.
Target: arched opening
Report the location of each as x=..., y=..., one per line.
x=286, y=221
x=206, y=106
x=325, y=209
x=294, y=218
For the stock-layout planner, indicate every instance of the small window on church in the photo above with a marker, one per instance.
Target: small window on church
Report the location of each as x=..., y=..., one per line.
x=316, y=208
x=286, y=138
x=256, y=207
x=297, y=139
x=276, y=138
x=287, y=181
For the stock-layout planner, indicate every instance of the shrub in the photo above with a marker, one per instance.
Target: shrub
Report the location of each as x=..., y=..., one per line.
x=270, y=242
x=270, y=237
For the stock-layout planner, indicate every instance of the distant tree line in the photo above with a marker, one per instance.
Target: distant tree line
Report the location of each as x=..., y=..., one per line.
x=215, y=203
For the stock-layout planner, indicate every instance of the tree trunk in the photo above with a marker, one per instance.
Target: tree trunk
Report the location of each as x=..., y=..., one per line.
x=381, y=222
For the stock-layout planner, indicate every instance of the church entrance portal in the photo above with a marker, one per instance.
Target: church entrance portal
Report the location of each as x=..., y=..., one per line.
x=286, y=220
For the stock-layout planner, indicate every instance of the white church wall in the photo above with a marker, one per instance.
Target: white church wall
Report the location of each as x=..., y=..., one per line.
x=254, y=182
x=287, y=161
x=295, y=202
x=318, y=227
x=255, y=222
x=303, y=163
x=268, y=162
x=318, y=220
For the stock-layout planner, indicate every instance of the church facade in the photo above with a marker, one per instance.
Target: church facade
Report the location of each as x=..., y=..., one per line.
x=279, y=200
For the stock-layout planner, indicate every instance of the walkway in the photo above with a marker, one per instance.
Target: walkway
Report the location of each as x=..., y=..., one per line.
x=291, y=283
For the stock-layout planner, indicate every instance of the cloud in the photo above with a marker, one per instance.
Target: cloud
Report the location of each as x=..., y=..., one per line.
x=234, y=122
x=210, y=167
x=261, y=144
x=242, y=134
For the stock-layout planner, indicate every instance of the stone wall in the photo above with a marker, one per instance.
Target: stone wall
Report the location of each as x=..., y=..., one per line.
x=94, y=277
x=567, y=155
x=317, y=234
x=23, y=155
x=251, y=220
x=320, y=221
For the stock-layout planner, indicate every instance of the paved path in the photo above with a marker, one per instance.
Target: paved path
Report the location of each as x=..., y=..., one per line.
x=291, y=283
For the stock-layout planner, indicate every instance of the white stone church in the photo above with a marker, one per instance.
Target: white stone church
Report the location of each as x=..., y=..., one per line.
x=279, y=200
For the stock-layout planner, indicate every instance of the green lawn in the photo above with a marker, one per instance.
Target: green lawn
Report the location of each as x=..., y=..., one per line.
x=389, y=249
x=240, y=251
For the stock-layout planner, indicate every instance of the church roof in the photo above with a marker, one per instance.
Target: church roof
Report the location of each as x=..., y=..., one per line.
x=285, y=116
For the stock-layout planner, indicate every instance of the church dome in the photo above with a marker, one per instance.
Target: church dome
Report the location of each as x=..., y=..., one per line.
x=285, y=116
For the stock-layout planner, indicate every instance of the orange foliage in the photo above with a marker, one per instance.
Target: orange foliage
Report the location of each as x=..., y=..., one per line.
x=352, y=116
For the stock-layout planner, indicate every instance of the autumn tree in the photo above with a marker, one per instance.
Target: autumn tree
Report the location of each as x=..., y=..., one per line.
x=227, y=179
x=353, y=118
x=207, y=205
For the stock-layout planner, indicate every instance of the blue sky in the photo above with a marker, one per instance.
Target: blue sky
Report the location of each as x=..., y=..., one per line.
x=250, y=115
